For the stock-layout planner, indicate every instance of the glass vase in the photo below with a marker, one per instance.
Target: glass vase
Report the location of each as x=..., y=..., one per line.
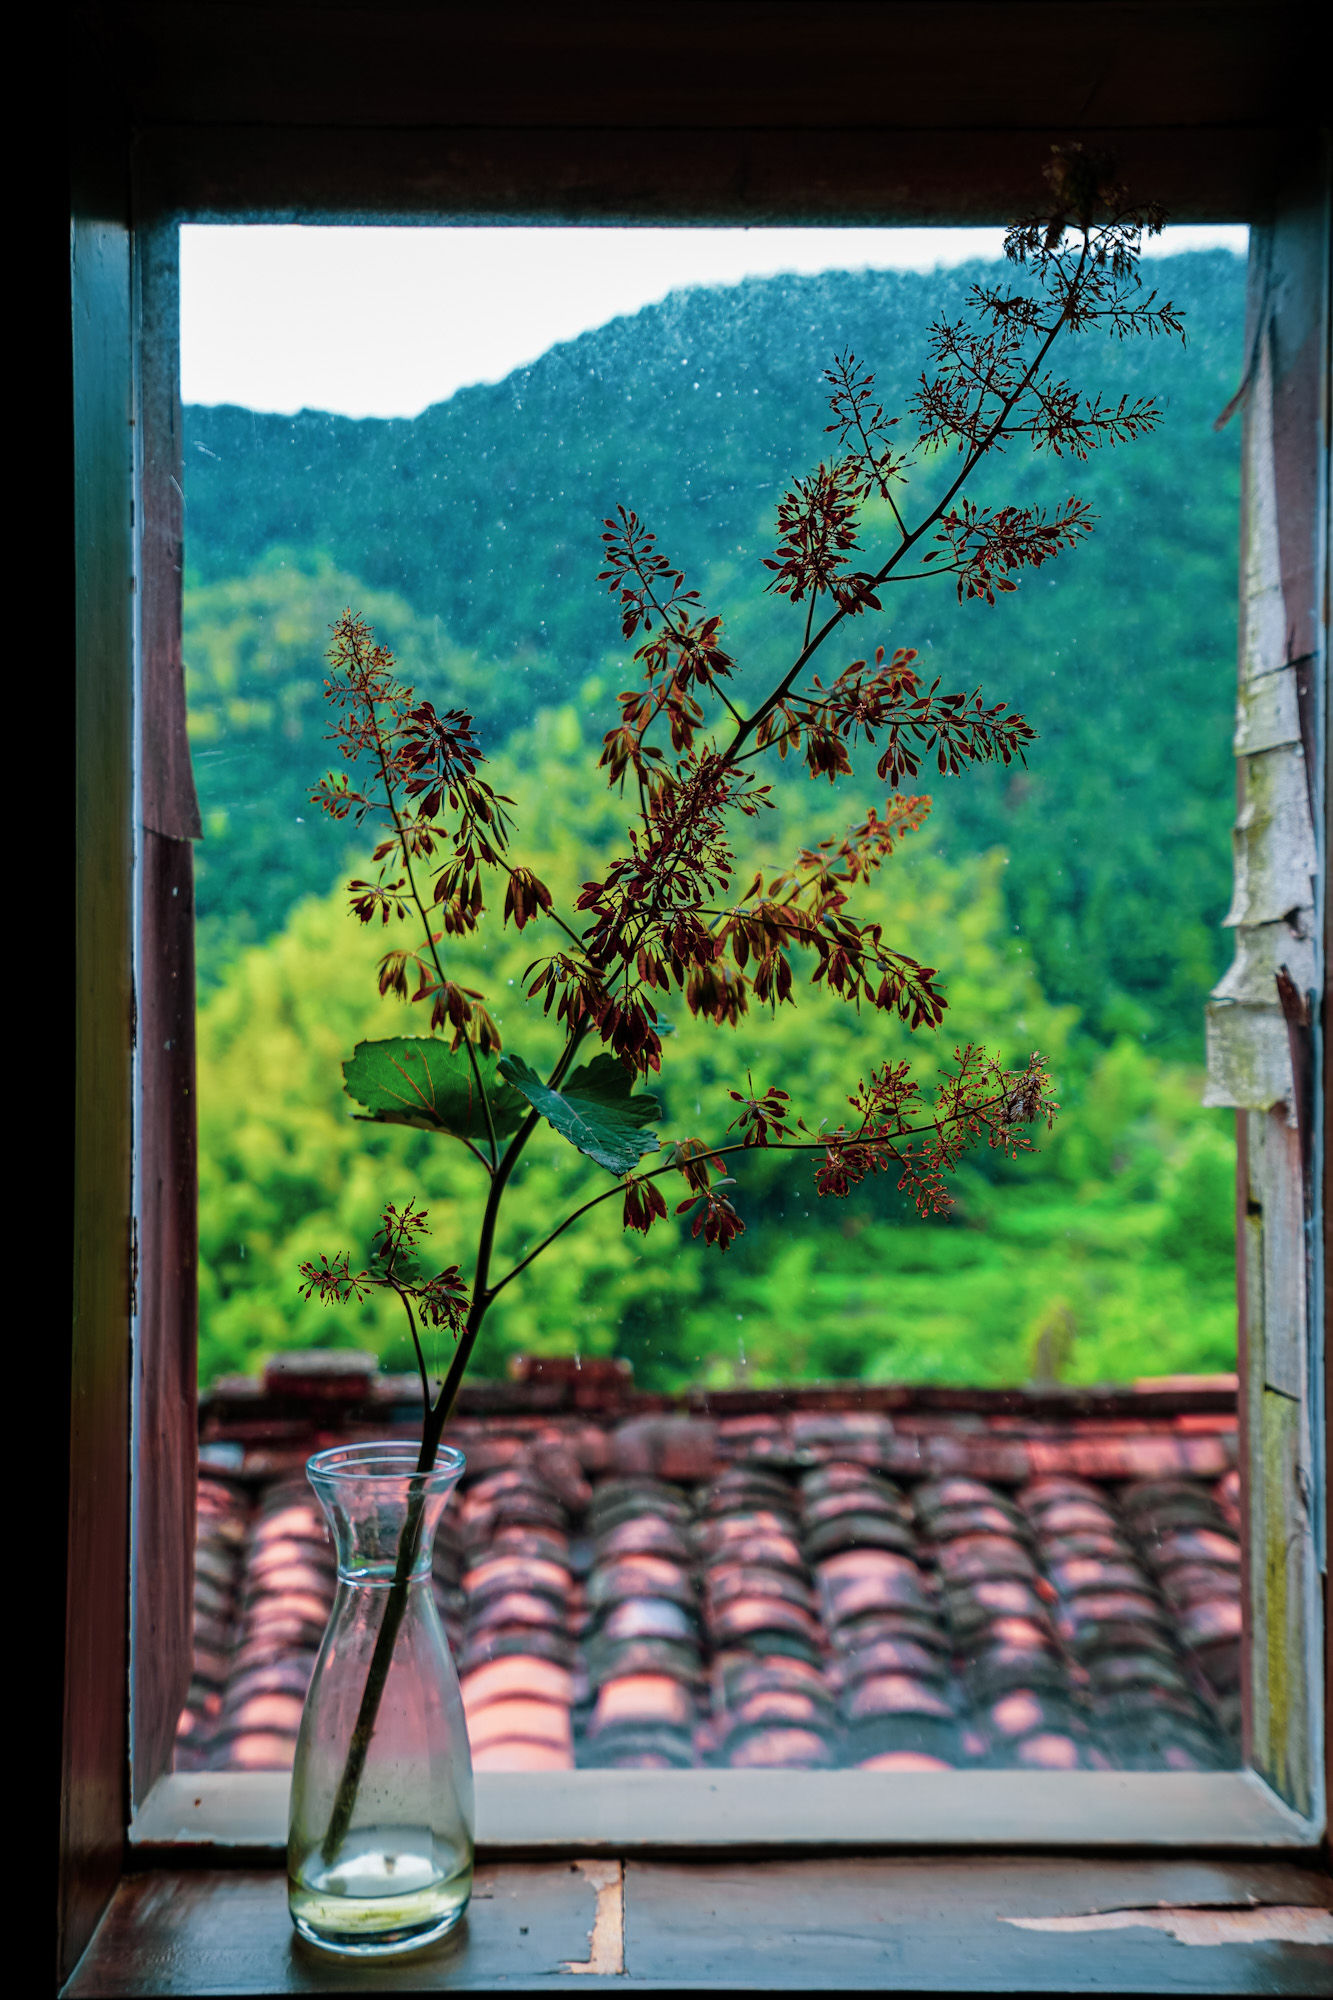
x=380, y=1840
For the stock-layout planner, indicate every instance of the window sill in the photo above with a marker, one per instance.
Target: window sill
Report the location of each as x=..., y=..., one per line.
x=998, y=1923
x=230, y=1815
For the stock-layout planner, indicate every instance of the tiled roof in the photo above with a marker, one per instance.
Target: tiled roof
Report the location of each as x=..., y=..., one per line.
x=893, y=1579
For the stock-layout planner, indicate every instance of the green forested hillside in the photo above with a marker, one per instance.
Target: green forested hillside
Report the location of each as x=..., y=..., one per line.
x=1105, y=1255
x=1074, y=905
x=482, y=516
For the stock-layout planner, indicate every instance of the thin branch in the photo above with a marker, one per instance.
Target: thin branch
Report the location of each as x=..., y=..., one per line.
x=430, y=936
x=911, y=537
x=880, y=480
x=888, y=1140
x=416, y=1344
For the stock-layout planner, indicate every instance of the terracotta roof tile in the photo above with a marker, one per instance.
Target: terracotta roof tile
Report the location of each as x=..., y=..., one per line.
x=638, y=1748
x=622, y=1578
x=605, y=1659
x=769, y=1746
x=915, y=1585
x=671, y=1447
x=645, y=1700
x=520, y=1755
x=521, y=1719
x=517, y=1674
x=644, y=1533
x=903, y=1760
x=515, y=1642
x=725, y=1582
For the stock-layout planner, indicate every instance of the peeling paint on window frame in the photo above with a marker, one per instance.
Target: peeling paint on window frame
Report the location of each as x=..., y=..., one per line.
x=1264, y=1017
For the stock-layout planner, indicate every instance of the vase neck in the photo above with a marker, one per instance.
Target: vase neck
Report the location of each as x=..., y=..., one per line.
x=383, y=1513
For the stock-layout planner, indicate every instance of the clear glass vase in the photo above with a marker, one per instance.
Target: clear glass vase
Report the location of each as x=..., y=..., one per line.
x=380, y=1840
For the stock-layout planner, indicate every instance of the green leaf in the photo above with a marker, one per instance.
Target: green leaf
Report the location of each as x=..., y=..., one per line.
x=593, y=1109
x=416, y=1080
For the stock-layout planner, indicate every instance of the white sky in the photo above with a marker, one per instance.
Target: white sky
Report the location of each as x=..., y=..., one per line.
x=383, y=322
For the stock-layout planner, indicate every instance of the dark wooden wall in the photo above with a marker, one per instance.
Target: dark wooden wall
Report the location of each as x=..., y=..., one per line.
x=753, y=111
x=759, y=110
x=164, y=1461
x=92, y=1797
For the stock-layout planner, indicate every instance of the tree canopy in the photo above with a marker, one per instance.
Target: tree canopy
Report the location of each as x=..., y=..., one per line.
x=1074, y=903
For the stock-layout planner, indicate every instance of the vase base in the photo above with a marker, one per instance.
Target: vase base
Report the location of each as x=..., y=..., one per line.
x=392, y=1944
x=423, y=1905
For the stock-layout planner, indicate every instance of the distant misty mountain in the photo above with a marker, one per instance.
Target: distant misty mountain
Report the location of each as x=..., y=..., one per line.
x=483, y=516
x=486, y=509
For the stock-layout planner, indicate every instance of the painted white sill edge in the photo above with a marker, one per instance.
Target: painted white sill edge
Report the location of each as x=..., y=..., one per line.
x=623, y=1812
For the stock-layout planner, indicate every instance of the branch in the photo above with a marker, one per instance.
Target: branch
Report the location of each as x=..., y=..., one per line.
x=889, y=1141
x=430, y=940
x=912, y=536
x=416, y=1344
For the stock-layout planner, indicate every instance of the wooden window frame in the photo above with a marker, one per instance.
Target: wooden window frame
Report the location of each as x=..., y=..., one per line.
x=228, y=148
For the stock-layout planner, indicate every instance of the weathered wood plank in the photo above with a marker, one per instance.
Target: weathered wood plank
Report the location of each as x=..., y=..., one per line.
x=168, y=802
x=1261, y=951
x=165, y=1442
x=1281, y=1606
x=789, y=1926
x=1130, y=62
x=165, y=1475
x=1274, y=847
x=914, y=1926
x=1282, y=1707
x=92, y=1803
x=762, y=1812
x=227, y=1932
x=734, y=175
x=1261, y=1051
x=1268, y=713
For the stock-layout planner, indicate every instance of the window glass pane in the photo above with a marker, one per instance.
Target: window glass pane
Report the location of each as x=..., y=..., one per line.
x=942, y=1554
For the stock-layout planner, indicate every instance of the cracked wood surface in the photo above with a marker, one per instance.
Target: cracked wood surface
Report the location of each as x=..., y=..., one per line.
x=989, y=1923
x=1267, y=1923
x=606, y=1939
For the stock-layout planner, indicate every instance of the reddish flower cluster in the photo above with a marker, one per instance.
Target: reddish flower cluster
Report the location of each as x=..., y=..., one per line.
x=977, y=1100
x=422, y=762
x=804, y=910
x=442, y=1300
x=987, y=543
x=524, y=897
x=333, y=1282
x=715, y=1218
x=650, y=923
x=829, y=869
x=818, y=535
x=889, y=699
x=862, y=428
x=680, y=658
x=990, y=382
x=763, y=1120
x=644, y=1204
x=664, y=918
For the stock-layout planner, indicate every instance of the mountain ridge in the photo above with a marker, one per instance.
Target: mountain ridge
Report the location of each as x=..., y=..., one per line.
x=483, y=516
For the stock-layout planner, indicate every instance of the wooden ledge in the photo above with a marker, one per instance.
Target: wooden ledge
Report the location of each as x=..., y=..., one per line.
x=999, y=1924
x=585, y=1813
